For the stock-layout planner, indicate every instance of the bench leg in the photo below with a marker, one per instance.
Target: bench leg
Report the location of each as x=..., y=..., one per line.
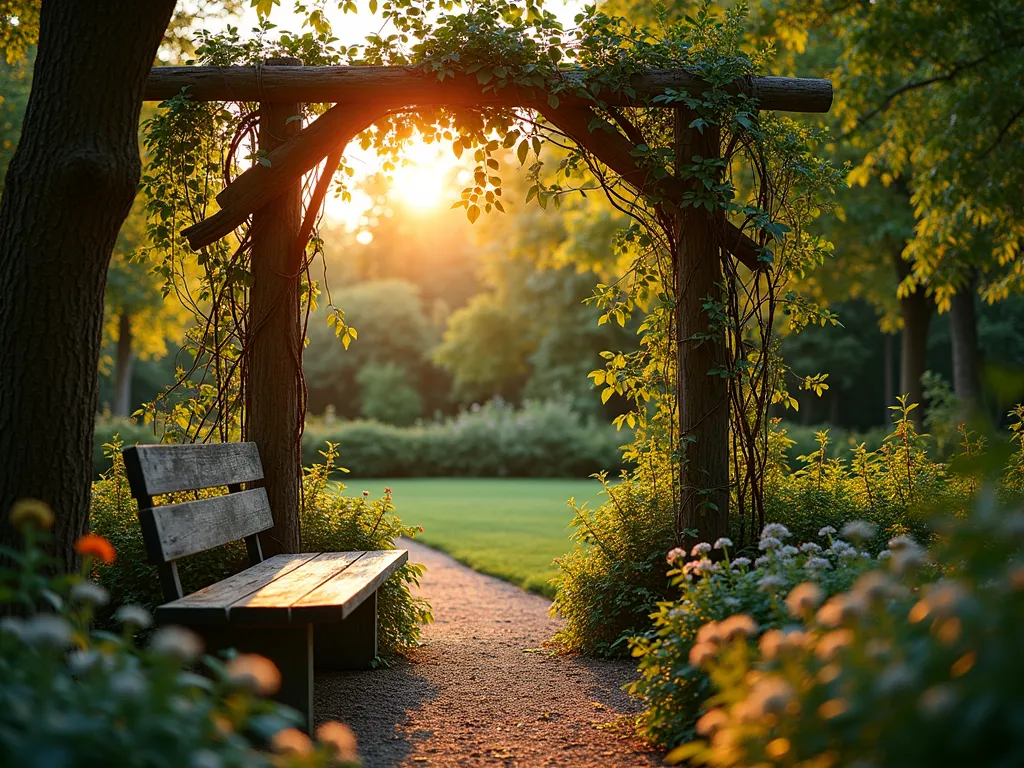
x=349, y=644
x=289, y=646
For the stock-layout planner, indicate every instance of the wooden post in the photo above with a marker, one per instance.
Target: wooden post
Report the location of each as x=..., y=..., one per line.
x=275, y=340
x=702, y=400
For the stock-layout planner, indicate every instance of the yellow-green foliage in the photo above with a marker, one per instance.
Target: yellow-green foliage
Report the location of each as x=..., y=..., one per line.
x=330, y=522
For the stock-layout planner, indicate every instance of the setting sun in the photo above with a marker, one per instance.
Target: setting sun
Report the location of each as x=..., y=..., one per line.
x=421, y=187
x=428, y=178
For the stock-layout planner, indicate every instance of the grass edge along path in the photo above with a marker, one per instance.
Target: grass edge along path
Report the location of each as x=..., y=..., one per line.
x=511, y=528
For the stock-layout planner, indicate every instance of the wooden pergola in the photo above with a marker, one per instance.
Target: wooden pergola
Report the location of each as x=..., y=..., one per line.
x=271, y=193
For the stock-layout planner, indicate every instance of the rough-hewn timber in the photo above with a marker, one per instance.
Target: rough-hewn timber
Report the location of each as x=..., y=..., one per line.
x=409, y=87
x=274, y=365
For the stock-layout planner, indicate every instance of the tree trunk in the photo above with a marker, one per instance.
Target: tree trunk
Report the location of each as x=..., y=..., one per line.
x=702, y=399
x=68, y=189
x=123, y=367
x=274, y=383
x=963, y=327
x=916, y=309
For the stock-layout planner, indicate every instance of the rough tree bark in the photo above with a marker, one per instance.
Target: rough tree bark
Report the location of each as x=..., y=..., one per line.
x=963, y=328
x=123, y=367
x=702, y=399
x=274, y=368
x=68, y=189
x=916, y=309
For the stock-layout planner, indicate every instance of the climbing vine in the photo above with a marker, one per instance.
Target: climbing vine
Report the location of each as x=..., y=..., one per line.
x=763, y=180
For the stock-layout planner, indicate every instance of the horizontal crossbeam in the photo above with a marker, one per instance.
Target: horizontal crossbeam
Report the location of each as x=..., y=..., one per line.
x=413, y=88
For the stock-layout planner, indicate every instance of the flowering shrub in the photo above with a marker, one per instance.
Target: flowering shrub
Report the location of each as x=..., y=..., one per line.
x=74, y=696
x=672, y=684
x=895, y=671
x=330, y=522
x=610, y=586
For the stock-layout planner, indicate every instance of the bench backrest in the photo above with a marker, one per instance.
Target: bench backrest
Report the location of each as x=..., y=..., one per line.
x=171, y=531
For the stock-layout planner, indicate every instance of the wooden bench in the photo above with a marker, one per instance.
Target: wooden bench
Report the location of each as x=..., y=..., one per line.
x=282, y=607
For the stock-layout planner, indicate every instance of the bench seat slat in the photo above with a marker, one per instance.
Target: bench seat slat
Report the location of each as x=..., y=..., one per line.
x=157, y=469
x=176, y=530
x=337, y=598
x=210, y=604
x=271, y=603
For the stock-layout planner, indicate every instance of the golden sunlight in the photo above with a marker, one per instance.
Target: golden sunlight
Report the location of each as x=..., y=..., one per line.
x=420, y=187
x=424, y=181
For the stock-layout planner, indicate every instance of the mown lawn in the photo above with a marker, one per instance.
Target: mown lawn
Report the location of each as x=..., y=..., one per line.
x=510, y=528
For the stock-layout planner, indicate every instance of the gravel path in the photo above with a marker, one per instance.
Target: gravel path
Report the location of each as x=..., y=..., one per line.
x=481, y=691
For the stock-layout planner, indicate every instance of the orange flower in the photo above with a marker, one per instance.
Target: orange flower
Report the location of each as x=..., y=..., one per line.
x=94, y=545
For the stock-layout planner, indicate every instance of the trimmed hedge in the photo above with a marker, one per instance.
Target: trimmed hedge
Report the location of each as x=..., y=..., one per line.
x=541, y=439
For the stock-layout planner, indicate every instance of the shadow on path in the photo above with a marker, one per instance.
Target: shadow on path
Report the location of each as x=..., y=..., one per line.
x=481, y=691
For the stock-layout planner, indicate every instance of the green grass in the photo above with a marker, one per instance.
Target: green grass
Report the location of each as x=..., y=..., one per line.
x=511, y=529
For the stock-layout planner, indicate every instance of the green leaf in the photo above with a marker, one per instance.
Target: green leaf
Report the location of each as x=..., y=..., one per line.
x=263, y=7
x=522, y=151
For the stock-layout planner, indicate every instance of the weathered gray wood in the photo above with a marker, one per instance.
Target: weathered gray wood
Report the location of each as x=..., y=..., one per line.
x=210, y=605
x=290, y=647
x=273, y=386
x=157, y=469
x=348, y=644
x=170, y=582
x=272, y=602
x=176, y=530
x=405, y=86
x=339, y=597
x=261, y=183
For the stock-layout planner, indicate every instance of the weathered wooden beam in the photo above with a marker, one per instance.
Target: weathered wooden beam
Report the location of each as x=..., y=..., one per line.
x=284, y=166
x=702, y=394
x=412, y=88
x=274, y=345
x=616, y=151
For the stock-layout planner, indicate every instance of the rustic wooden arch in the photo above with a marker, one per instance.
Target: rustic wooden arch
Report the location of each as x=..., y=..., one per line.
x=271, y=193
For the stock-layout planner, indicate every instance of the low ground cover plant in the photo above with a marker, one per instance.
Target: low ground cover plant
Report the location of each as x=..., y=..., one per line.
x=72, y=695
x=330, y=522
x=902, y=669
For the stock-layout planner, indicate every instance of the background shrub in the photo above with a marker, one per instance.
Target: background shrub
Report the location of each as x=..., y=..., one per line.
x=541, y=439
x=330, y=522
x=608, y=586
